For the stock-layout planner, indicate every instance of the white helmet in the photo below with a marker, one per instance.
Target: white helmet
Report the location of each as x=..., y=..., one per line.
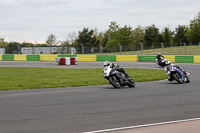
x=106, y=63
x=167, y=63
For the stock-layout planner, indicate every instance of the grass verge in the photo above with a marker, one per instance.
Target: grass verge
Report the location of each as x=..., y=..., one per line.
x=28, y=78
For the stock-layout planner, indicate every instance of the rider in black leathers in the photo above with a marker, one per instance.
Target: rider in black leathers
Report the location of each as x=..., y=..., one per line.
x=159, y=56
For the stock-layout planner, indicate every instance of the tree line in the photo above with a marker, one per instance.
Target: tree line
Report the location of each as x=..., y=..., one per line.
x=126, y=36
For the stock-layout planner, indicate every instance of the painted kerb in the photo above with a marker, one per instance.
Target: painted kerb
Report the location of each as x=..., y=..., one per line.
x=33, y=58
x=170, y=58
x=48, y=57
x=126, y=58
x=20, y=57
x=67, y=55
x=147, y=58
x=196, y=59
x=111, y=58
x=184, y=59
x=87, y=58
x=8, y=57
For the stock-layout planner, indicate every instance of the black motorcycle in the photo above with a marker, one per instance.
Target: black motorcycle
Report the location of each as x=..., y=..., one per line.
x=161, y=62
x=116, y=78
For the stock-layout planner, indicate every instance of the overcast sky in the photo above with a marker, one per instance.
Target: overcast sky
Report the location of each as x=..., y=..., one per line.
x=33, y=20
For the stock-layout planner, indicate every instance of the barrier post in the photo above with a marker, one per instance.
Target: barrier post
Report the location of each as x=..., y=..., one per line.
x=120, y=47
x=162, y=48
x=185, y=48
x=82, y=48
x=141, y=48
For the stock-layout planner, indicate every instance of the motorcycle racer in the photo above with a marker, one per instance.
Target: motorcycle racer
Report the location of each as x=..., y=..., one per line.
x=116, y=67
x=169, y=65
x=159, y=57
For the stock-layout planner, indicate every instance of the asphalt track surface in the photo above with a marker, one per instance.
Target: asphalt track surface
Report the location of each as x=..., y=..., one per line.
x=93, y=108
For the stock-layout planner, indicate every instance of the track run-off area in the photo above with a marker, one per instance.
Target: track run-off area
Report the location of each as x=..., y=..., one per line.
x=99, y=108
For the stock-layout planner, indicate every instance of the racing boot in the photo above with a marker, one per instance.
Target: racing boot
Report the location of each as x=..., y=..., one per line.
x=170, y=79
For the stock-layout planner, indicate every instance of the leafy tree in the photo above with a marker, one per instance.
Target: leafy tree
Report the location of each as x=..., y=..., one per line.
x=179, y=35
x=160, y=38
x=167, y=36
x=86, y=38
x=193, y=33
x=114, y=34
x=40, y=45
x=71, y=39
x=25, y=44
x=151, y=34
x=138, y=36
x=102, y=38
x=12, y=46
x=126, y=36
x=51, y=40
x=117, y=34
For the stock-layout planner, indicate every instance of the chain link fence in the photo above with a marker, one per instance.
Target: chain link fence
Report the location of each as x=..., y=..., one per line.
x=141, y=49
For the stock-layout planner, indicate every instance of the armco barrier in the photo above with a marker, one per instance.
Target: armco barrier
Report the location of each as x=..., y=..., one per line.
x=1, y=57
x=67, y=55
x=86, y=57
x=33, y=58
x=184, y=59
x=147, y=58
x=8, y=57
x=48, y=57
x=111, y=58
x=196, y=59
x=170, y=58
x=20, y=57
x=126, y=58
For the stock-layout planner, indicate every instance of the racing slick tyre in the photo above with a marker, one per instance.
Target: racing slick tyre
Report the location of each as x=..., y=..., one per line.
x=177, y=77
x=131, y=82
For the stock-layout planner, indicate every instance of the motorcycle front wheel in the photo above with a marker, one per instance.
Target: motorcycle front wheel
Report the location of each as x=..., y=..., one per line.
x=177, y=77
x=131, y=82
x=114, y=82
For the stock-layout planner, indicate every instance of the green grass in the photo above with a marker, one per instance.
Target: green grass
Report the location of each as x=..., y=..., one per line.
x=28, y=78
x=190, y=50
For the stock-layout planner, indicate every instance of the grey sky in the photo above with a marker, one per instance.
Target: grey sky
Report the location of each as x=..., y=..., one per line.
x=34, y=20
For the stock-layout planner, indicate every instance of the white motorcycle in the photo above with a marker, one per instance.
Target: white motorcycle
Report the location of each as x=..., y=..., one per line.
x=116, y=78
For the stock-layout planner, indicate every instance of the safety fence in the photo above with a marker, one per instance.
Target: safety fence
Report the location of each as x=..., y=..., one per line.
x=112, y=58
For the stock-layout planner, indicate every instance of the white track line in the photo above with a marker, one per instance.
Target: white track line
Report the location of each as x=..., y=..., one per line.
x=139, y=126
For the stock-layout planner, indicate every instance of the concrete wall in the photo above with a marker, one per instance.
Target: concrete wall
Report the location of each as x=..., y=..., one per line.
x=2, y=50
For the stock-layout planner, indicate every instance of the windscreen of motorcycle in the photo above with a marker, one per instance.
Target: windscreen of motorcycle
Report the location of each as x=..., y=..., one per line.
x=107, y=70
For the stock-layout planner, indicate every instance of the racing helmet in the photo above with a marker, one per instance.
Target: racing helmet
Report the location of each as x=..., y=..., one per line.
x=106, y=63
x=167, y=63
x=158, y=54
